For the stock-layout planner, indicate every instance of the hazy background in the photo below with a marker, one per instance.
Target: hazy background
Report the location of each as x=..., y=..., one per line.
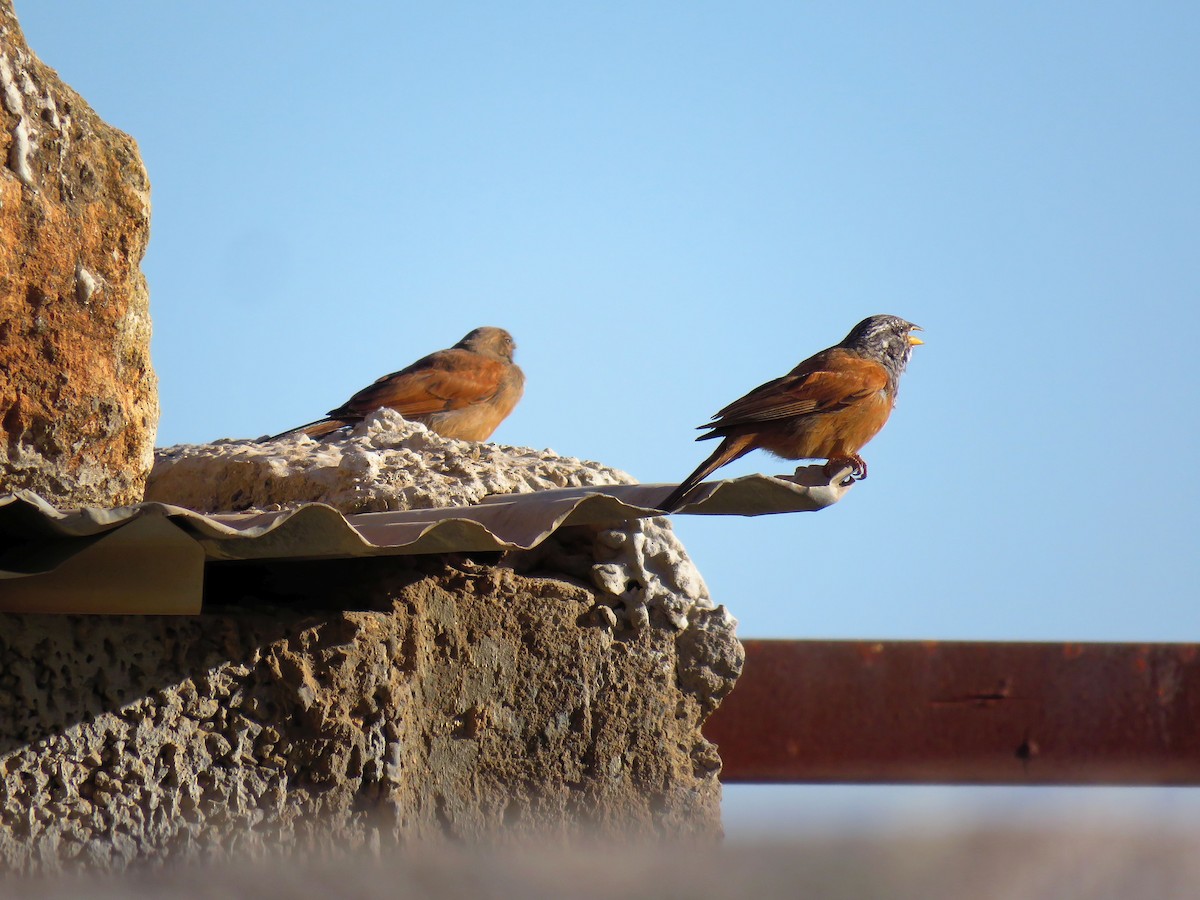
x=670, y=203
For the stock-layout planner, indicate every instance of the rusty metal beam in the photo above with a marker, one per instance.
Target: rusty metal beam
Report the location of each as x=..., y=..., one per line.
x=962, y=713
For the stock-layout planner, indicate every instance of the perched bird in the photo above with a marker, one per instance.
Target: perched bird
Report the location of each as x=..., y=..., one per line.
x=464, y=392
x=828, y=407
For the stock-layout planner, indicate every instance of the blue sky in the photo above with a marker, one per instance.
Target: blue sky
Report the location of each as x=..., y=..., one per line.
x=670, y=203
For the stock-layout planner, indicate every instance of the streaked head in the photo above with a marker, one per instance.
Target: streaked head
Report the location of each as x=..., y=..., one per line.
x=489, y=341
x=888, y=339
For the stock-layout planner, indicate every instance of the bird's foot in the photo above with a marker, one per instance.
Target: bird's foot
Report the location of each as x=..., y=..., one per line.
x=856, y=464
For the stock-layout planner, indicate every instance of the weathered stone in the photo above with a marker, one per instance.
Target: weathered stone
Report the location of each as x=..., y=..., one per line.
x=78, y=396
x=383, y=463
x=362, y=704
x=469, y=702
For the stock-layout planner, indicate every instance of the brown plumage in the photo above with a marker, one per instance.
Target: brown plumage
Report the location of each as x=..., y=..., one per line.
x=828, y=407
x=464, y=392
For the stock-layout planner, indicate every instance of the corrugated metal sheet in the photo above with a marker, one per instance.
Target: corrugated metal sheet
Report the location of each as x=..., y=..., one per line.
x=150, y=558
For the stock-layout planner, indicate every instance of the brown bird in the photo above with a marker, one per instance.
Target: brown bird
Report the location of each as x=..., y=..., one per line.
x=828, y=407
x=464, y=392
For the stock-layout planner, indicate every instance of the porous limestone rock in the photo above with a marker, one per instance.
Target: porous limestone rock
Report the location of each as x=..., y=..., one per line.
x=78, y=396
x=444, y=699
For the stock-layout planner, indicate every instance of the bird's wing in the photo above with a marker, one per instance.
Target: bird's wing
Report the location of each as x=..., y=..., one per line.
x=817, y=385
x=448, y=379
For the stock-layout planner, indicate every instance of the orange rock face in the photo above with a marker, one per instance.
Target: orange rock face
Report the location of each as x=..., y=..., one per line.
x=78, y=395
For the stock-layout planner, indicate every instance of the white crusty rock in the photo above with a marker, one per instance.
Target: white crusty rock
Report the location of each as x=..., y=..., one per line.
x=383, y=463
x=644, y=565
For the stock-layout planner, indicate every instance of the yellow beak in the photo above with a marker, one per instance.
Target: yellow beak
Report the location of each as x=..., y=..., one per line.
x=913, y=340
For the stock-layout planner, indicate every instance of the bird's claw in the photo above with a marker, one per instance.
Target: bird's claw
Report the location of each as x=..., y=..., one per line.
x=856, y=464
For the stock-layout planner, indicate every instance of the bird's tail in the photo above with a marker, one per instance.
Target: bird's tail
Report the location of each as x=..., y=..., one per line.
x=317, y=429
x=732, y=447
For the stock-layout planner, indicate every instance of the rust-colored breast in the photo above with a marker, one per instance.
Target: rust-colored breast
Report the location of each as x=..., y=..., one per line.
x=830, y=435
x=477, y=421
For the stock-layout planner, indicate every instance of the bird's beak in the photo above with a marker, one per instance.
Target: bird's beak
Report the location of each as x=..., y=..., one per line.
x=913, y=340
